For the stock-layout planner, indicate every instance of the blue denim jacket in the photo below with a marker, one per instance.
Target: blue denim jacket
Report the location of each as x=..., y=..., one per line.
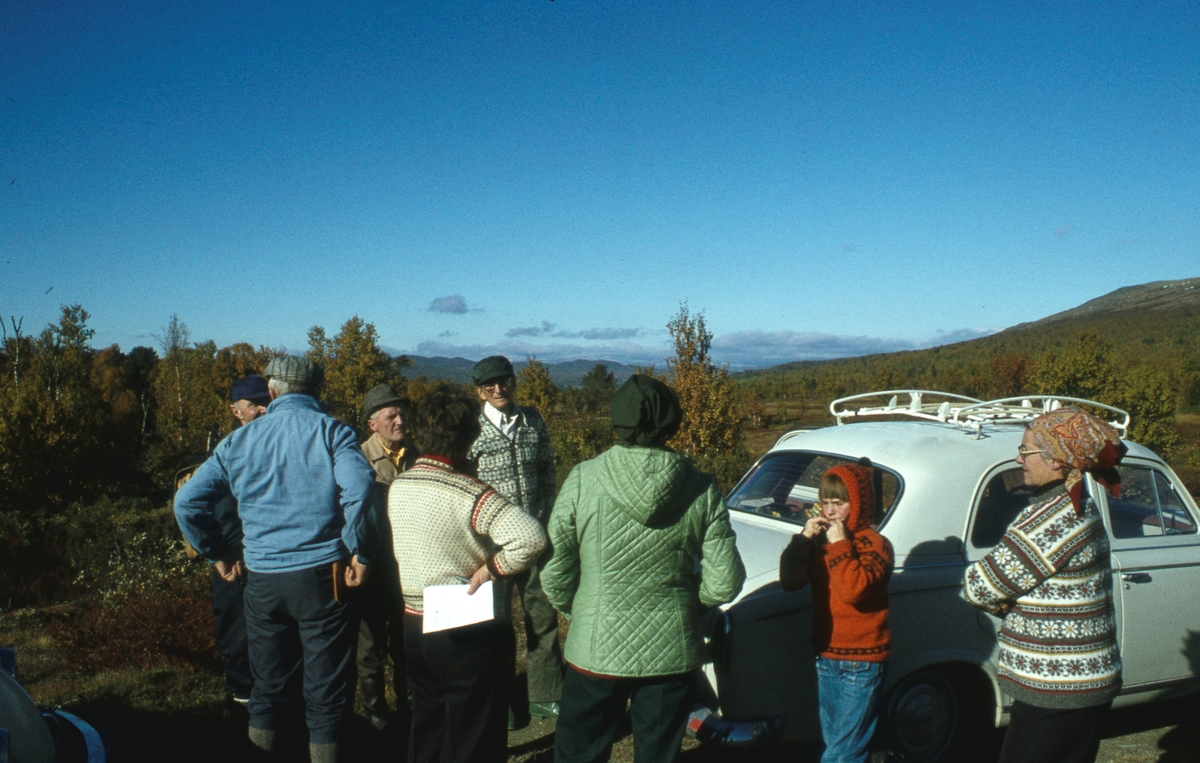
x=303, y=489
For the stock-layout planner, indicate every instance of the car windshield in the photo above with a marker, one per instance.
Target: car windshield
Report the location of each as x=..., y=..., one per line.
x=784, y=485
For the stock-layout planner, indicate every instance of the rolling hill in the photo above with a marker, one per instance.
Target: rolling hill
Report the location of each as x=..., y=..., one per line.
x=566, y=374
x=1155, y=323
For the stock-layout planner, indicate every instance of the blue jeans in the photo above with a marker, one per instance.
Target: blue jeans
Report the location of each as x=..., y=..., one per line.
x=848, y=691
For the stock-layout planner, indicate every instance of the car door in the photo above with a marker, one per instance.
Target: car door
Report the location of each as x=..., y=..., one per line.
x=1156, y=555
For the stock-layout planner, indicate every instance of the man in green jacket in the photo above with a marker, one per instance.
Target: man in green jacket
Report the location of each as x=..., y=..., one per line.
x=626, y=531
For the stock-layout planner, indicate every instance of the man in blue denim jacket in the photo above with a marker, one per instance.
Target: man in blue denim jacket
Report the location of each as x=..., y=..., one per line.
x=304, y=496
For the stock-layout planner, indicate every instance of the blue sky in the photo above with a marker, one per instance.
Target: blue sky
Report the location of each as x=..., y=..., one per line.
x=555, y=178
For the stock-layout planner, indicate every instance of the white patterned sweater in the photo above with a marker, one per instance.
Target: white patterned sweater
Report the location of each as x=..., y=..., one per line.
x=1050, y=578
x=446, y=525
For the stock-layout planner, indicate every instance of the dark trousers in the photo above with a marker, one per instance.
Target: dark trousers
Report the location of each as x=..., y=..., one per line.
x=543, y=655
x=592, y=708
x=1048, y=735
x=230, y=615
x=381, y=634
x=459, y=680
x=294, y=625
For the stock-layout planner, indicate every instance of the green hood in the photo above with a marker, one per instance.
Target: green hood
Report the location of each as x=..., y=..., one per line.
x=651, y=486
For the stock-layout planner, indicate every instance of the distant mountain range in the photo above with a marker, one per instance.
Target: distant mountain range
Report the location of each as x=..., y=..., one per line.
x=1156, y=323
x=566, y=374
x=1154, y=319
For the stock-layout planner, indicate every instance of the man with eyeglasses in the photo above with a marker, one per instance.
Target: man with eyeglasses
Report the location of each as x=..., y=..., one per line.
x=513, y=454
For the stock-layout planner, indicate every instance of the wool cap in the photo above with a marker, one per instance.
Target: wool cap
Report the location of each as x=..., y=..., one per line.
x=249, y=387
x=645, y=411
x=492, y=369
x=1082, y=443
x=295, y=370
x=381, y=396
x=859, y=491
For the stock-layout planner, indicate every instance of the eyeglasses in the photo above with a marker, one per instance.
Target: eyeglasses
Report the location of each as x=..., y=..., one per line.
x=505, y=383
x=1023, y=453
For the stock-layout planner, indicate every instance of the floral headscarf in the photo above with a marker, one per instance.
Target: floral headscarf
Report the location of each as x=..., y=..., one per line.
x=1082, y=443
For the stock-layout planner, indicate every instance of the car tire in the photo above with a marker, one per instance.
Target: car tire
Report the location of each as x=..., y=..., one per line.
x=930, y=716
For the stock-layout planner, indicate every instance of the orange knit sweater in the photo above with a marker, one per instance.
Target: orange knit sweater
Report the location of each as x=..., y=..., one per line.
x=850, y=593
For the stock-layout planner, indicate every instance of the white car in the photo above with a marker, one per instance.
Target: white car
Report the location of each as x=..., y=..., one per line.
x=947, y=487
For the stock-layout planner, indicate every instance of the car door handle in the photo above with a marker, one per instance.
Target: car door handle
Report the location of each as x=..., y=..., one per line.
x=1136, y=577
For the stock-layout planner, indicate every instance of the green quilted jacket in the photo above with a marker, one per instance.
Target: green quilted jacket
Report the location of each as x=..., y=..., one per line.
x=627, y=531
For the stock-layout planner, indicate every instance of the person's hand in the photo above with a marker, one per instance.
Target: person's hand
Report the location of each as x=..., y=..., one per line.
x=836, y=531
x=814, y=527
x=356, y=572
x=230, y=568
x=481, y=576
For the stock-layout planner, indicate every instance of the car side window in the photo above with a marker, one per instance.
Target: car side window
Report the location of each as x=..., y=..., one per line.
x=1148, y=506
x=1003, y=497
x=785, y=486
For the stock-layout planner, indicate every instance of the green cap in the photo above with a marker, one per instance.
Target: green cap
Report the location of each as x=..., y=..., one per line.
x=492, y=369
x=381, y=396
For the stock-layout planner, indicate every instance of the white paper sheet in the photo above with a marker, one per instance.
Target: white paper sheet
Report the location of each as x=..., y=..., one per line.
x=449, y=606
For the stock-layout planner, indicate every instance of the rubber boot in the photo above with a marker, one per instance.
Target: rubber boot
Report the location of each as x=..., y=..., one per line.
x=263, y=739
x=375, y=705
x=323, y=753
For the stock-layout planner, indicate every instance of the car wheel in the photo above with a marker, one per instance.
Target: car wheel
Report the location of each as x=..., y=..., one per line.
x=930, y=714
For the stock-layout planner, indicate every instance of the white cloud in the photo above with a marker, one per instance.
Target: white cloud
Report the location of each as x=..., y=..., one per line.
x=544, y=329
x=744, y=349
x=621, y=352
x=452, y=304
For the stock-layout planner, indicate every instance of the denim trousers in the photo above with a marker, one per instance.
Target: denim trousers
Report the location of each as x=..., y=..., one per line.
x=297, y=631
x=848, y=691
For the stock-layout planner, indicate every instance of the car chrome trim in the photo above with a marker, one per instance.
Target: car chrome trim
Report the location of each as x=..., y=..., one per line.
x=929, y=566
x=1156, y=685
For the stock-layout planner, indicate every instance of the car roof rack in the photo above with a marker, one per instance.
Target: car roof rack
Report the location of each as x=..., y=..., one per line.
x=1023, y=408
x=966, y=412
x=915, y=406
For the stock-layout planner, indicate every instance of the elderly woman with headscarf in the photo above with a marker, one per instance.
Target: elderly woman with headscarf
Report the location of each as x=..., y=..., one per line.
x=627, y=531
x=1050, y=579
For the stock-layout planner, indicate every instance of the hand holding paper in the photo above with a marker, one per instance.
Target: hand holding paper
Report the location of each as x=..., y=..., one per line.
x=451, y=606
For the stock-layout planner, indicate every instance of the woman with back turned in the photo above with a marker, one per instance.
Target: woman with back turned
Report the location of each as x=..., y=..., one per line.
x=627, y=531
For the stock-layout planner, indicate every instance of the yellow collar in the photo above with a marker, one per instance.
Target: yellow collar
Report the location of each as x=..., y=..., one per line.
x=396, y=456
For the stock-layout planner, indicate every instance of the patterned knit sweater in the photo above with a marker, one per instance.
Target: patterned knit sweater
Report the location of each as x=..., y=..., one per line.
x=522, y=468
x=1050, y=579
x=446, y=524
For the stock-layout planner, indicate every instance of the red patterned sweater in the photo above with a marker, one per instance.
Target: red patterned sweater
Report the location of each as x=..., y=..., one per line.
x=849, y=582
